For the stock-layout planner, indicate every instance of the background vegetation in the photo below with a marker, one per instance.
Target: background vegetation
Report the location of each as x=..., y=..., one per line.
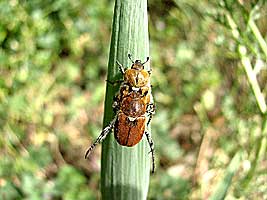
x=209, y=129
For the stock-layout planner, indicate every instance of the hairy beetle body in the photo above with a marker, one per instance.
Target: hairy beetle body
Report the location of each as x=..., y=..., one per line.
x=133, y=109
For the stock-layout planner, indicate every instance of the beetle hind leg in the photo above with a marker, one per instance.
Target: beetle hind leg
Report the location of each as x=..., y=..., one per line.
x=101, y=137
x=151, y=145
x=150, y=110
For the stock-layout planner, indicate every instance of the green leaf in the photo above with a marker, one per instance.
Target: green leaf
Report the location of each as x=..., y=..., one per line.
x=124, y=170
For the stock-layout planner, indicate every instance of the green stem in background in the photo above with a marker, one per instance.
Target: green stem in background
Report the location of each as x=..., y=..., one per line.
x=247, y=64
x=252, y=78
x=225, y=183
x=125, y=170
x=260, y=153
x=260, y=146
x=258, y=36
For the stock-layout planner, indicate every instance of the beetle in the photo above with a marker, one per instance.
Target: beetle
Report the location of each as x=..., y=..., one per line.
x=133, y=109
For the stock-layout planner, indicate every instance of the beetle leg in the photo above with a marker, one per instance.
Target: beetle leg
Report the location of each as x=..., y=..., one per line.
x=116, y=104
x=121, y=67
x=114, y=82
x=145, y=93
x=149, y=119
x=130, y=57
x=150, y=111
x=101, y=137
x=151, y=108
x=151, y=145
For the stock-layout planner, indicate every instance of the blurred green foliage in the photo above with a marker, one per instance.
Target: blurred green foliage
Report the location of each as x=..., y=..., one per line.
x=53, y=62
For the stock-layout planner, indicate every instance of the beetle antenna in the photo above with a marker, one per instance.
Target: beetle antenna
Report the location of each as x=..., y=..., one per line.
x=147, y=59
x=130, y=57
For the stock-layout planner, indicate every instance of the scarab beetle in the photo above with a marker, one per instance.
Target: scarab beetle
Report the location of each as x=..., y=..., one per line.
x=133, y=109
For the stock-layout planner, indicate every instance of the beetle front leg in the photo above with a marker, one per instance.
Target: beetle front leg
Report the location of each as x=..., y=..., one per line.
x=101, y=137
x=121, y=67
x=151, y=145
x=113, y=83
x=130, y=57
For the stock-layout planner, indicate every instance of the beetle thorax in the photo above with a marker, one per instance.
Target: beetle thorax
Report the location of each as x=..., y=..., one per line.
x=136, y=78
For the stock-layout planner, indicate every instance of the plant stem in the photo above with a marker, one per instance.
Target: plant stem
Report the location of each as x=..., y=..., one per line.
x=223, y=186
x=247, y=64
x=252, y=78
x=125, y=170
x=258, y=36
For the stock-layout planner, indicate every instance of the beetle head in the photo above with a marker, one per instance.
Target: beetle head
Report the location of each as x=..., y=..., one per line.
x=138, y=65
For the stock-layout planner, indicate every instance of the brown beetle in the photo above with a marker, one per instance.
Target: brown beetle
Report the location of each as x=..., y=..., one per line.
x=133, y=109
